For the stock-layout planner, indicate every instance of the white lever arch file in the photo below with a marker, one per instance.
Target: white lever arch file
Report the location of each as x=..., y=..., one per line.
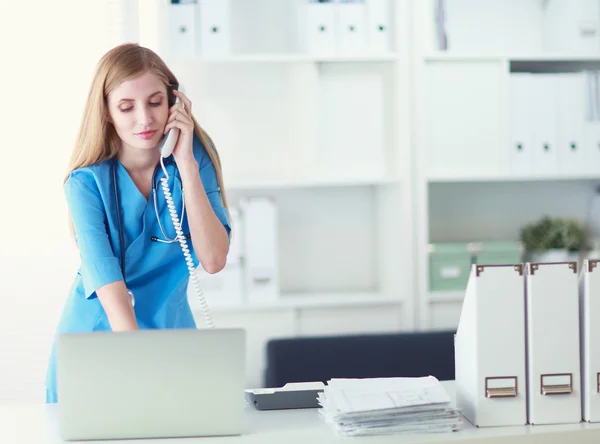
x=490, y=347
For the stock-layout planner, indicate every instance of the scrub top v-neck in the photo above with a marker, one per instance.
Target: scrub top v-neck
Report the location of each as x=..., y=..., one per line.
x=156, y=272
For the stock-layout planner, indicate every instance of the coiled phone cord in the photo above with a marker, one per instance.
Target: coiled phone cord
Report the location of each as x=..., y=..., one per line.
x=184, y=247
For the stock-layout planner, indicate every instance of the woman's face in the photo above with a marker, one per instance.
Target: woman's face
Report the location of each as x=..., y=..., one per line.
x=139, y=109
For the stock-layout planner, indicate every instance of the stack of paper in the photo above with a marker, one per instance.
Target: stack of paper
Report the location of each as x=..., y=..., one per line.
x=388, y=405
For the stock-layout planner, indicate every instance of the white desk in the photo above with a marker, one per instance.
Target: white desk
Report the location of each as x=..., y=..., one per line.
x=37, y=423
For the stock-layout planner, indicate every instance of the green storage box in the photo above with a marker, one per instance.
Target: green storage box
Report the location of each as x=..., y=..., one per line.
x=498, y=252
x=449, y=266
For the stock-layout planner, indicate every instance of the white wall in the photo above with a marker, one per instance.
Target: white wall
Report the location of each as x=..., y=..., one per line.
x=48, y=51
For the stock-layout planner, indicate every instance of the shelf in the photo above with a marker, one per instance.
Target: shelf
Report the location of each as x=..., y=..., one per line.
x=446, y=296
x=295, y=301
x=471, y=177
x=268, y=184
x=541, y=57
x=291, y=58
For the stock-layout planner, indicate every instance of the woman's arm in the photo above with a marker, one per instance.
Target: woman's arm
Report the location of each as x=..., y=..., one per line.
x=210, y=239
x=209, y=236
x=100, y=269
x=116, y=302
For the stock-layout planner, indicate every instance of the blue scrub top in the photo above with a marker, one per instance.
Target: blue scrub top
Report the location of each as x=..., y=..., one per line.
x=156, y=272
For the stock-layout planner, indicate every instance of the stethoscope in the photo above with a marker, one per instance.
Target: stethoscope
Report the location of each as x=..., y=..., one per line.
x=166, y=239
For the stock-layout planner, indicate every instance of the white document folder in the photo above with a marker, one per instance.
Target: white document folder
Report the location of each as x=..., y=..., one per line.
x=591, y=126
x=591, y=131
x=521, y=146
x=261, y=249
x=182, y=30
x=571, y=26
x=490, y=347
x=543, y=121
x=350, y=27
x=553, y=371
x=379, y=32
x=589, y=307
x=317, y=28
x=571, y=108
x=215, y=30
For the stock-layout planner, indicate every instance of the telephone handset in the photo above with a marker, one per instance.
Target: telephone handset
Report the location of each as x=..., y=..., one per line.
x=167, y=144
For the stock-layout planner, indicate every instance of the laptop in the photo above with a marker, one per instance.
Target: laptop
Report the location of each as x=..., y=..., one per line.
x=165, y=383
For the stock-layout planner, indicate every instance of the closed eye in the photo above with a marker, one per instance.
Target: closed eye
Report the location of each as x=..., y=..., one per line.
x=152, y=104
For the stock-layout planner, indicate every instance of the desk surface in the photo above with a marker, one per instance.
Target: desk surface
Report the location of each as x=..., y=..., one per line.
x=37, y=423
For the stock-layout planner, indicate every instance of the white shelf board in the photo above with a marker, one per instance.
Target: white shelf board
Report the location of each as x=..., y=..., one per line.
x=297, y=301
x=446, y=296
x=441, y=177
x=539, y=57
x=306, y=183
x=289, y=58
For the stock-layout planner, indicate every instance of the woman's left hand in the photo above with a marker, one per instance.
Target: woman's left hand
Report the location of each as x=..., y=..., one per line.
x=180, y=117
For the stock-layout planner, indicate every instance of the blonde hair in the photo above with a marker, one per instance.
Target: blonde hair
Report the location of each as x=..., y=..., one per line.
x=97, y=139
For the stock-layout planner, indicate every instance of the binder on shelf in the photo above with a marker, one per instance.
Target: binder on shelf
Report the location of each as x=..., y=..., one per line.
x=490, y=347
x=589, y=307
x=591, y=131
x=317, y=27
x=350, y=27
x=571, y=26
x=571, y=110
x=543, y=122
x=225, y=288
x=378, y=27
x=222, y=289
x=214, y=25
x=591, y=127
x=521, y=135
x=182, y=30
x=553, y=354
x=260, y=245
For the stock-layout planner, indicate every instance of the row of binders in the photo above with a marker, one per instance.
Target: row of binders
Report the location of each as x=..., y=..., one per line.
x=555, y=122
x=251, y=274
x=323, y=28
x=515, y=25
x=527, y=348
x=199, y=28
x=342, y=27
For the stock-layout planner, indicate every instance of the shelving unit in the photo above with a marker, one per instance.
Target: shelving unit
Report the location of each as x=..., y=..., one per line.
x=545, y=57
x=465, y=187
x=328, y=139
x=289, y=58
x=369, y=159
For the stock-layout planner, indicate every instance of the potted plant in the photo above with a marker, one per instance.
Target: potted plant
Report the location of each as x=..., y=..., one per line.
x=554, y=240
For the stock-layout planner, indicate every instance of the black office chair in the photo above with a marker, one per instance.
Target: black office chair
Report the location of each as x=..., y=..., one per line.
x=360, y=356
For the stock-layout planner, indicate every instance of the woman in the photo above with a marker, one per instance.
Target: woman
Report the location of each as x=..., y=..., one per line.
x=121, y=220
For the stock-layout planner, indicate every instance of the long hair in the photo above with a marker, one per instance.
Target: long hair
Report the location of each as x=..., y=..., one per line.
x=97, y=139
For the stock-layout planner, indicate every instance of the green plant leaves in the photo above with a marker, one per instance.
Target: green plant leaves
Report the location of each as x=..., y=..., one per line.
x=554, y=233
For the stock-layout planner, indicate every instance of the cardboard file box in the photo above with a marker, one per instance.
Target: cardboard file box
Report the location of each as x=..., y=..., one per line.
x=449, y=266
x=498, y=252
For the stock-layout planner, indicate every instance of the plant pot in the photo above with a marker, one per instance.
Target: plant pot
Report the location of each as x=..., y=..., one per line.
x=553, y=255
